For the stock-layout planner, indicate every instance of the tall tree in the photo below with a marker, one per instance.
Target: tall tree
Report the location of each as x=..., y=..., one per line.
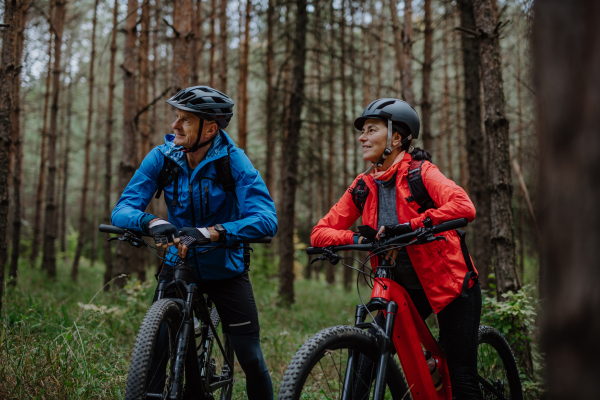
x=329, y=268
x=182, y=22
x=520, y=156
x=65, y=165
x=8, y=65
x=243, y=80
x=460, y=137
x=496, y=127
x=397, y=38
x=445, y=128
x=96, y=179
x=108, y=261
x=143, y=121
x=476, y=144
x=83, y=228
x=39, y=197
x=124, y=255
x=566, y=45
x=17, y=140
x=426, y=78
x=290, y=158
x=223, y=45
x=271, y=144
x=50, y=220
x=213, y=43
x=407, y=41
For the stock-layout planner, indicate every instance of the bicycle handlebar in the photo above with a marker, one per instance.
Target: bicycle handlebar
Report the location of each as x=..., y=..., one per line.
x=443, y=227
x=120, y=231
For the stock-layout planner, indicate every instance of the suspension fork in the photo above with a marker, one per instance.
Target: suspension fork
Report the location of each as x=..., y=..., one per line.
x=385, y=347
x=359, y=318
x=183, y=340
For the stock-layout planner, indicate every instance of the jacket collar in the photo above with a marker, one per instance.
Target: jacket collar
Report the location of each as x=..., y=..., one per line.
x=218, y=149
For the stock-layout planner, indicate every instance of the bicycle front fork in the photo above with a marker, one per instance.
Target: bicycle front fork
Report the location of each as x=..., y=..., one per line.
x=385, y=345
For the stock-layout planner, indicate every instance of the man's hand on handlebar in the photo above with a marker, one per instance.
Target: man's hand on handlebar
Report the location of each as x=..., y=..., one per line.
x=164, y=233
x=194, y=237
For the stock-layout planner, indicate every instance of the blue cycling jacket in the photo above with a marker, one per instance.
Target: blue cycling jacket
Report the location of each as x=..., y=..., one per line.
x=202, y=202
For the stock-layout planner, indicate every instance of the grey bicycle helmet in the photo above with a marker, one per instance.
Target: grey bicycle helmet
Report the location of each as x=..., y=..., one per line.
x=395, y=112
x=206, y=103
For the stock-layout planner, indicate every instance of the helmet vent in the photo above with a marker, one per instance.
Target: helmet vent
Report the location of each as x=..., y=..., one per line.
x=178, y=95
x=387, y=103
x=205, y=89
x=371, y=105
x=188, y=96
x=196, y=101
x=218, y=100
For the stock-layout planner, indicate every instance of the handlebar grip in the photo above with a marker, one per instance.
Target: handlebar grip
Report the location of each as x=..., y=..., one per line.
x=265, y=239
x=314, y=250
x=111, y=229
x=448, y=226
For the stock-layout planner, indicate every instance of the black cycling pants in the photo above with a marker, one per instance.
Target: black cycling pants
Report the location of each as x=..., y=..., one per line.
x=459, y=326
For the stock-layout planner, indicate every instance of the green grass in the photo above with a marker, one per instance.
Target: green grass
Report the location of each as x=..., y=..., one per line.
x=55, y=343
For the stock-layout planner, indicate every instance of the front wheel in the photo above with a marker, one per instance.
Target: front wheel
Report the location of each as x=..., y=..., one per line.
x=319, y=368
x=497, y=370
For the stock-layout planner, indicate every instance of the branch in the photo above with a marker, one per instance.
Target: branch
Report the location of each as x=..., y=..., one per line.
x=171, y=26
x=153, y=102
x=470, y=32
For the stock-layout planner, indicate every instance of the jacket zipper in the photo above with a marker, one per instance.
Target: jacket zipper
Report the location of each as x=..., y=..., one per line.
x=191, y=196
x=206, y=199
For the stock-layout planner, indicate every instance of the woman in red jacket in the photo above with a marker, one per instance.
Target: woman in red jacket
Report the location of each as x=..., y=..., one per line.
x=438, y=277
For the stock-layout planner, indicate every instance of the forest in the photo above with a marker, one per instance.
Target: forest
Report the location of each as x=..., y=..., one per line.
x=508, y=98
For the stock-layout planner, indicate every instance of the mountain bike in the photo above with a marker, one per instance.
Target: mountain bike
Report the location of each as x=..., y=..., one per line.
x=347, y=362
x=198, y=359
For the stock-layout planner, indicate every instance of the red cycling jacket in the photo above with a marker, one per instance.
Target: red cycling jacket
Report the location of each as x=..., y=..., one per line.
x=440, y=265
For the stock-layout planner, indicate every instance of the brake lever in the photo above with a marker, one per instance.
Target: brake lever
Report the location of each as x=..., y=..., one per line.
x=330, y=256
x=129, y=238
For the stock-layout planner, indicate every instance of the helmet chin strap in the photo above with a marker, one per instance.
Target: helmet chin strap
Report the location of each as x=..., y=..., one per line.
x=197, y=146
x=388, y=148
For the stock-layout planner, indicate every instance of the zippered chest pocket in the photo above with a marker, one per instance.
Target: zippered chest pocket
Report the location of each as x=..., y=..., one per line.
x=213, y=198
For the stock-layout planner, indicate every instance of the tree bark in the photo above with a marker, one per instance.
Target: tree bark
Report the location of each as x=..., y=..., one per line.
x=39, y=197
x=476, y=144
x=184, y=34
x=143, y=122
x=520, y=158
x=270, y=104
x=50, y=221
x=290, y=159
x=460, y=136
x=398, y=52
x=243, y=82
x=407, y=40
x=329, y=268
x=65, y=166
x=566, y=46
x=83, y=228
x=124, y=255
x=108, y=260
x=224, y=48
x=496, y=126
x=445, y=128
x=17, y=141
x=213, y=43
x=7, y=82
x=426, y=78
x=347, y=272
x=96, y=195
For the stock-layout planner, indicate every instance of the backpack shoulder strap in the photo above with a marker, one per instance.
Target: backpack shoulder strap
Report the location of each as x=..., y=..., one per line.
x=359, y=193
x=224, y=173
x=418, y=191
x=168, y=174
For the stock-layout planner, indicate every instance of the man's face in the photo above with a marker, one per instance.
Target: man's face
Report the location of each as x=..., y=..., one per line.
x=185, y=128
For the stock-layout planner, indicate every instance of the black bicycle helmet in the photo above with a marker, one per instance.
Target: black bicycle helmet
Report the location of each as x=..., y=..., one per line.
x=395, y=110
x=206, y=103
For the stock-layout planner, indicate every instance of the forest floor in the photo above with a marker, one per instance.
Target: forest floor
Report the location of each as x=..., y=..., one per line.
x=63, y=340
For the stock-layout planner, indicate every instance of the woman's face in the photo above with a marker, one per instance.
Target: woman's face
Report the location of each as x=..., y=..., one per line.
x=373, y=139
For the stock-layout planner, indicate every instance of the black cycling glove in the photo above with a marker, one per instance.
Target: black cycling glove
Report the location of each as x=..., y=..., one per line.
x=397, y=229
x=194, y=236
x=163, y=232
x=367, y=232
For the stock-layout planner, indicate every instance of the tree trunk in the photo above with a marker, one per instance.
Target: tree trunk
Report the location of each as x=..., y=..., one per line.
x=496, y=126
x=213, y=43
x=566, y=45
x=270, y=105
x=330, y=269
x=143, y=122
x=96, y=197
x=49, y=257
x=368, y=53
x=426, y=75
x=182, y=20
x=290, y=159
x=445, y=129
x=65, y=182
x=108, y=261
x=243, y=82
x=7, y=82
x=124, y=255
x=407, y=40
x=83, y=228
x=347, y=272
x=195, y=43
x=520, y=158
x=39, y=197
x=17, y=141
x=476, y=146
x=224, y=48
x=397, y=38
x=460, y=136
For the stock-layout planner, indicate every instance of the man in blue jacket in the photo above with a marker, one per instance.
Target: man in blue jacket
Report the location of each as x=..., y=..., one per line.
x=215, y=195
